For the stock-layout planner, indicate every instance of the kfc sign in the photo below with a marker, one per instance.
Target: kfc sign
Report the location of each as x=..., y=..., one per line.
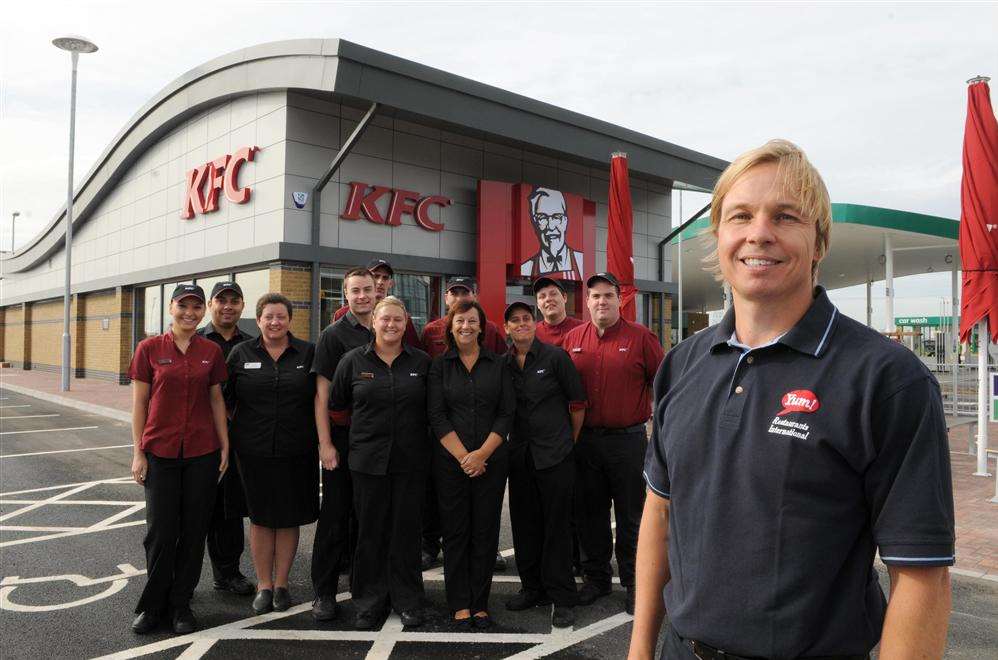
x=362, y=201
x=220, y=174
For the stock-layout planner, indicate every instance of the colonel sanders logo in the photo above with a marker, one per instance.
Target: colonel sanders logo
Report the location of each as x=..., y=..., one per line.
x=550, y=219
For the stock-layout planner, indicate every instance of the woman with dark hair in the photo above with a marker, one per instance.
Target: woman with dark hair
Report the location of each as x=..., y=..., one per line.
x=471, y=406
x=270, y=394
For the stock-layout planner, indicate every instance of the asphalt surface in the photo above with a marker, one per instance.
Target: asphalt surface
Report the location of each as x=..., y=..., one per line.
x=71, y=573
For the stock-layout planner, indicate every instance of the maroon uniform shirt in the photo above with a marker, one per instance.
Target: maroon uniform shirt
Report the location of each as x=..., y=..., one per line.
x=617, y=370
x=410, y=338
x=555, y=334
x=179, y=423
x=435, y=337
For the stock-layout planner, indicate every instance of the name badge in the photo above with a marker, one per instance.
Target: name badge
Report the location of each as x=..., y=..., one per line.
x=366, y=374
x=252, y=365
x=164, y=361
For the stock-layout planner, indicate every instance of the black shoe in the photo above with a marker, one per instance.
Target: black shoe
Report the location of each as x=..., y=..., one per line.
x=525, y=600
x=590, y=591
x=236, y=584
x=501, y=564
x=324, y=608
x=184, y=622
x=563, y=617
x=462, y=625
x=427, y=561
x=577, y=570
x=366, y=621
x=282, y=599
x=145, y=623
x=483, y=622
x=629, y=601
x=264, y=601
x=411, y=619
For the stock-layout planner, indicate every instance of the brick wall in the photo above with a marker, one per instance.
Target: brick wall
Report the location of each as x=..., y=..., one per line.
x=14, y=335
x=294, y=280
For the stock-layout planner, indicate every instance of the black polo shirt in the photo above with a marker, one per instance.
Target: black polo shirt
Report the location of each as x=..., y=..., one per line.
x=474, y=403
x=546, y=387
x=272, y=402
x=787, y=467
x=387, y=409
x=209, y=332
x=335, y=340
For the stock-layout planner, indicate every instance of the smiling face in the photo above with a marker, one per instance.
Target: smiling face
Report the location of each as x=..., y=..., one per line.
x=383, y=283
x=551, y=301
x=274, y=322
x=603, y=302
x=389, y=325
x=550, y=219
x=766, y=247
x=187, y=313
x=465, y=327
x=359, y=293
x=226, y=309
x=521, y=326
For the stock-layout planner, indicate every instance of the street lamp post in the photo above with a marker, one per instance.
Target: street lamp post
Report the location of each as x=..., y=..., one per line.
x=75, y=46
x=13, y=218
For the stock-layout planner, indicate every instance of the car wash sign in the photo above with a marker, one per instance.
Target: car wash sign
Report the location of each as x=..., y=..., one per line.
x=363, y=198
x=206, y=182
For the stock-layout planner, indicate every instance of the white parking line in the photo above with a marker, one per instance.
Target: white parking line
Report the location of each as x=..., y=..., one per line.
x=25, y=405
x=71, y=428
x=63, y=451
x=30, y=416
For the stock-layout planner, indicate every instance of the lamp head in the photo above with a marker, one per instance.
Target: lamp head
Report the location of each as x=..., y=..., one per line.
x=75, y=44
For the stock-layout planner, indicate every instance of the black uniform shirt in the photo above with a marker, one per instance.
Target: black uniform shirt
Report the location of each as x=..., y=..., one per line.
x=787, y=466
x=341, y=336
x=272, y=402
x=473, y=403
x=387, y=409
x=238, y=337
x=545, y=388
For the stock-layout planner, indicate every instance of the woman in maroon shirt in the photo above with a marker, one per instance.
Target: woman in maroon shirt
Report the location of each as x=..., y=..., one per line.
x=181, y=451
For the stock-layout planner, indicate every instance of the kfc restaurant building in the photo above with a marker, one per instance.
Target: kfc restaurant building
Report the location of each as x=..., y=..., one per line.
x=216, y=177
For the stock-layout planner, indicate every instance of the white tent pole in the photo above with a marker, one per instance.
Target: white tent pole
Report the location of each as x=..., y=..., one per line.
x=679, y=269
x=954, y=342
x=983, y=399
x=889, y=282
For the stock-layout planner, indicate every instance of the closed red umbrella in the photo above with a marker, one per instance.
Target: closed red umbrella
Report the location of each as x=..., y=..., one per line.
x=979, y=213
x=620, y=232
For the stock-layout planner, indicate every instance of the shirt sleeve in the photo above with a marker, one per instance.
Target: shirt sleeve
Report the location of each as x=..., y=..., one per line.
x=229, y=389
x=328, y=352
x=909, y=485
x=507, y=402
x=653, y=355
x=495, y=340
x=140, y=369
x=219, y=374
x=341, y=392
x=436, y=402
x=570, y=380
x=656, y=471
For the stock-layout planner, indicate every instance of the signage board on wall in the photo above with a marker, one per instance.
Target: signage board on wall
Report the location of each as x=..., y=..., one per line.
x=363, y=198
x=221, y=174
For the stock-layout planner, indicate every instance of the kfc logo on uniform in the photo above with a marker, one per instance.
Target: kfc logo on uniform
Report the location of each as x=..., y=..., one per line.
x=804, y=401
x=220, y=174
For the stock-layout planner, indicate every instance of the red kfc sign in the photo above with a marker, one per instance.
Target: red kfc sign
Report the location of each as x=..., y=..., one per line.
x=220, y=174
x=362, y=201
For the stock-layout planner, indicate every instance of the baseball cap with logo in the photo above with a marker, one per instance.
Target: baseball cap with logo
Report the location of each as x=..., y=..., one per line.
x=188, y=290
x=462, y=281
x=374, y=264
x=221, y=287
x=543, y=282
x=515, y=305
x=607, y=277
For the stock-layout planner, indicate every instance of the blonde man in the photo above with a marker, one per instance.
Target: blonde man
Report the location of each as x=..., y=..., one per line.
x=790, y=444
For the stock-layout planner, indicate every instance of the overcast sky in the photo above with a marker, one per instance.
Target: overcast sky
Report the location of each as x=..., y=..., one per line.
x=875, y=93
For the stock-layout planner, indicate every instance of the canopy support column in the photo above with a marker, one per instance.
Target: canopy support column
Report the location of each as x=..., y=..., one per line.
x=982, y=398
x=889, y=282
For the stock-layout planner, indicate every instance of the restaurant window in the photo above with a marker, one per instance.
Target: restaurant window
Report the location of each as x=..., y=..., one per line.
x=330, y=295
x=207, y=283
x=149, y=305
x=421, y=295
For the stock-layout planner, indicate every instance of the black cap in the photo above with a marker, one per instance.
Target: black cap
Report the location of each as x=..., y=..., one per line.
x=462, y=281
x=374, y=264
x=514, y=305
x=542, y=282
x=226, y=286
x=606, y=277
x=185, y=290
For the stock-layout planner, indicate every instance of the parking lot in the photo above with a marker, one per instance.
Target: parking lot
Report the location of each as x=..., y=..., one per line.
x=72, y=567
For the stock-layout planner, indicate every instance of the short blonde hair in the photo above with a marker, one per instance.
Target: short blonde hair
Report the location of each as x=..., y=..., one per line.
x=797, y=176
x=390, y=301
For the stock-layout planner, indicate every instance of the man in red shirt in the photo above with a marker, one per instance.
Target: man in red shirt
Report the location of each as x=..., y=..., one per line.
x=384, y=280
x=617, y=360
x=551, y=300
x=459, y=289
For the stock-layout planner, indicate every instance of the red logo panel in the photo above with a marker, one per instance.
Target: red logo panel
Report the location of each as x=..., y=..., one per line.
x=804, y=401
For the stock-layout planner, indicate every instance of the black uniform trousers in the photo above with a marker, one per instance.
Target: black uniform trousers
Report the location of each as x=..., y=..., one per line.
x=180, y=494
x=540, y=509
x=386, y=564
x=335, y=532
x=610, y=464
x=470, y=511
x=225, y=534
x=431, y=517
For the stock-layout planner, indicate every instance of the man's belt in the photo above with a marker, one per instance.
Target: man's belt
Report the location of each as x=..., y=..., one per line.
x=615, y=430
x=707, y=652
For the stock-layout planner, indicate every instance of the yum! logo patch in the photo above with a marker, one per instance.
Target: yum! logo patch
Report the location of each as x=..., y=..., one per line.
x=804, y=401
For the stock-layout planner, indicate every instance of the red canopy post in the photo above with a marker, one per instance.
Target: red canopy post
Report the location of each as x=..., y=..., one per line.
x=620, y=233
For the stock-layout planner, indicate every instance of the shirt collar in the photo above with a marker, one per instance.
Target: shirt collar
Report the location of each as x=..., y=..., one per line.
x=210, y=330
x=370, y=347
x=483, y=352
x=291, y=343
x=809, y=335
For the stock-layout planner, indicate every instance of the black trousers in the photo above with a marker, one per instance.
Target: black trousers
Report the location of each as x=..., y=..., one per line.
x=540, y=509
x=431, y=520
x=386, y=565
x=180, y=497
x=335, y=532
x=609, y=471
x=470, y=510
x=225, y=534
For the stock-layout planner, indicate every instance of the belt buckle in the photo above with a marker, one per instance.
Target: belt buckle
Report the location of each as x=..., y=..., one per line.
x=696, y=651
